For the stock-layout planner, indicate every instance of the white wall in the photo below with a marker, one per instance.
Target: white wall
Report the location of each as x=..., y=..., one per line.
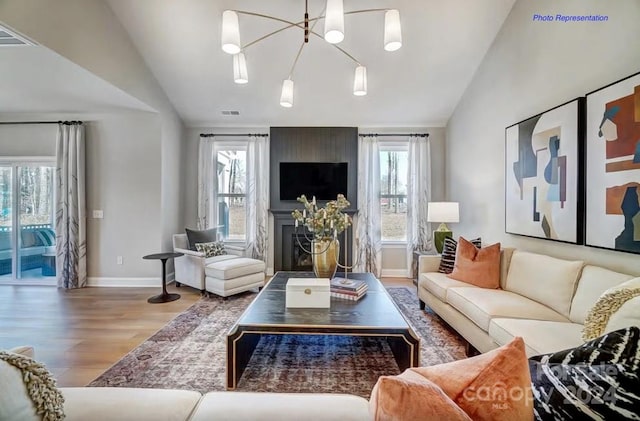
x=88, y=33
x=28, y=140
x=531, y=67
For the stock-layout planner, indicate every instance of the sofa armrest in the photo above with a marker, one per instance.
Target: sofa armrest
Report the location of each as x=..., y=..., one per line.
x=189, y=252
x=428, y=263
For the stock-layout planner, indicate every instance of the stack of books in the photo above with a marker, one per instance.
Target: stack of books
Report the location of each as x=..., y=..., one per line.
x=348, y=289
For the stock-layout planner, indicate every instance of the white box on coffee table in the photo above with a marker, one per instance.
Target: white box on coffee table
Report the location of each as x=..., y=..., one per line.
x=308, y=293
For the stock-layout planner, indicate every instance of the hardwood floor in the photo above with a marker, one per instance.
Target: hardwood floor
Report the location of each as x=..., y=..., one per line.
x=80, y=333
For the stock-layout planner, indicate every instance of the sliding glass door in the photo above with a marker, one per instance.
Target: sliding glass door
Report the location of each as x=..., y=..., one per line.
x=27, y=233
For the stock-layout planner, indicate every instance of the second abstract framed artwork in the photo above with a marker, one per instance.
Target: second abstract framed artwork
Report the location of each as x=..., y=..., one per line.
x=543, y=174
x=613, y=166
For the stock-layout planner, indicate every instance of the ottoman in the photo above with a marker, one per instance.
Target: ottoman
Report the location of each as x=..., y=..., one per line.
x=233, y=276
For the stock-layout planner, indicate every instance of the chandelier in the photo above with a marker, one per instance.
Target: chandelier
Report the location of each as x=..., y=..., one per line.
x=333, y=16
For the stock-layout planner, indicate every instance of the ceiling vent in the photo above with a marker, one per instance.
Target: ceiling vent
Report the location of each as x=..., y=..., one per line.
x=230, y=112
x=11, y=39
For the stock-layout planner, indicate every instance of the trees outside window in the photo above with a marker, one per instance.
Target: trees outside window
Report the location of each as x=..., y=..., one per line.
x=231, y=167
x=393, y=191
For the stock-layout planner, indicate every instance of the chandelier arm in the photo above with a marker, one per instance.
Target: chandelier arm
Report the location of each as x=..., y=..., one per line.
x=300, y=25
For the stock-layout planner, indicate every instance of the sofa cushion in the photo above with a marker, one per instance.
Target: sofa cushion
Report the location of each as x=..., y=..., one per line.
x=616, y=308
x=203, y=236
x=503, y=371
x=225, y=406
x=15, y=402
x=214, y=248
x=128, y=404
x=438, y=283
x=222, y=257
x=404, y=397
x=477, y=266
x=233, y=268
x=596, y=380
x=592, y=283
x=540, y=336
x=449, y=249
x=545, y=279
x=481, y=305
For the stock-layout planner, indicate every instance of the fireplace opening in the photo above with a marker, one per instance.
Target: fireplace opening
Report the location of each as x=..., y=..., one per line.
x=300, y=259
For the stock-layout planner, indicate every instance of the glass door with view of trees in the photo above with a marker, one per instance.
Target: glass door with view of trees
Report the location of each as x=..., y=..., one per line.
x=27, y=234
x=393, y=192
x=231, y=194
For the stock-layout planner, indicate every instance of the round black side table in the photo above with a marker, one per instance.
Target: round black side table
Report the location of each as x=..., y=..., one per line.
x=165, y=297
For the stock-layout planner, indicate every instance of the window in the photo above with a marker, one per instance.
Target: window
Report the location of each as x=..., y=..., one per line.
x=393, y=191
x=231, y=193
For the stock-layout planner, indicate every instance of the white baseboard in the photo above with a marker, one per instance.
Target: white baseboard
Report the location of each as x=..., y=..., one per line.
x=395, y=273
x=128, y=282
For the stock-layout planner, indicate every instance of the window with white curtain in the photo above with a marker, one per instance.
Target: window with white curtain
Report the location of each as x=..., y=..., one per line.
x=231, y=169
x=394, y=158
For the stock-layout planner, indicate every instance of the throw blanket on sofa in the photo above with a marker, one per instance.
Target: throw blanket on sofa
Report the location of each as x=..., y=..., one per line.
x=597, y=380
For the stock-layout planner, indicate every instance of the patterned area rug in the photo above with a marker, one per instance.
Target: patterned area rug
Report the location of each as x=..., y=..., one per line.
x=190, y=353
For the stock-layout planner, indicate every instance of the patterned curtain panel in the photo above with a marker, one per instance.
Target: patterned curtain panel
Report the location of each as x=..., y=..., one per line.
x=369, y=229
x=71, y=242
x=207, y=180
x=257, y=197
x=418, y=196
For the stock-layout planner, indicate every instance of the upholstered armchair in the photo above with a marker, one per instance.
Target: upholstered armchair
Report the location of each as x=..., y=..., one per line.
x=189, y=269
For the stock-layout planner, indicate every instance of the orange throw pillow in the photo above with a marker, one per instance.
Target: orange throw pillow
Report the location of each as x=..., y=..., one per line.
x=479, y=267
x=492, y=386
x=410, y=396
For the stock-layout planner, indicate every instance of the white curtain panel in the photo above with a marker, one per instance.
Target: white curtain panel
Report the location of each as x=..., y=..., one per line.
x=71, y=233
x=369, y=231
x=257, y=197
x=418, y=196
x=207, y=180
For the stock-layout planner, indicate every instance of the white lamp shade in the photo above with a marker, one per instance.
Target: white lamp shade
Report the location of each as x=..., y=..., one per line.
x=360, y=81
x=230, y=32
x=334, y=22
x=286, y=98
x=443, y=212
x=392, y=30
x=240, y=74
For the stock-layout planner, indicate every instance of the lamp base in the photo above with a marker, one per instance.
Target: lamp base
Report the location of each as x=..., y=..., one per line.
x=438, y=239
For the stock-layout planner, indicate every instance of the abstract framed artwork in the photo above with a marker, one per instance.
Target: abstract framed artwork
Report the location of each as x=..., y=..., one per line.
x=613, y=166
x=543, y=175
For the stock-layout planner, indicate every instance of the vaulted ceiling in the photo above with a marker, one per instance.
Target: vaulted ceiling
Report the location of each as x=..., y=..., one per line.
x=418, y=85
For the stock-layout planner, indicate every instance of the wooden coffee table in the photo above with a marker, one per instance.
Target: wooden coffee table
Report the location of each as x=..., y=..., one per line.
x=374, y=315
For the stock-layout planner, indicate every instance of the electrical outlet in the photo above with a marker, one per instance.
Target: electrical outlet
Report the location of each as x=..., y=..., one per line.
x=119, y=260
x=98, y=214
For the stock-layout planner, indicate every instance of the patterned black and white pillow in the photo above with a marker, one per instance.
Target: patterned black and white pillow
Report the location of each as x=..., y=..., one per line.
x=215, y=248
x=597, y=380
x=448, y=259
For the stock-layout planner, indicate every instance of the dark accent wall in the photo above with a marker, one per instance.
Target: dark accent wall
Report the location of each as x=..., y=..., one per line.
x=308, y=144
x=313, y=144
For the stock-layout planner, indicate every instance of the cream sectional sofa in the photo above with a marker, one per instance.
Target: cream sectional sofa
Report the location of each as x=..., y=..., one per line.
x=542, y=299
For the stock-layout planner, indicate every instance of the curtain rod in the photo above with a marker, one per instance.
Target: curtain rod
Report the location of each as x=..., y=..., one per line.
x=393, y=134
x=233, y=134
x=41, y=122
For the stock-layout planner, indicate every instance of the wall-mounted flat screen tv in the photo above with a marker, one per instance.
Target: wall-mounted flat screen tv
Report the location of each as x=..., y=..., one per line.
x=324, y=180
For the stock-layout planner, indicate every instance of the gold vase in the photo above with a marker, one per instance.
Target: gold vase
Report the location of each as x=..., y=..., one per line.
x=325, y=257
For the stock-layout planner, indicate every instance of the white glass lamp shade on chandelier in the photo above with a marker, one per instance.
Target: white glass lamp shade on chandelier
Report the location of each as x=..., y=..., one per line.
x=333, y=33
x=334, y=22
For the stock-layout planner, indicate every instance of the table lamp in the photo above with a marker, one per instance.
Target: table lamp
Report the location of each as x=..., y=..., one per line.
x=442, y=212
